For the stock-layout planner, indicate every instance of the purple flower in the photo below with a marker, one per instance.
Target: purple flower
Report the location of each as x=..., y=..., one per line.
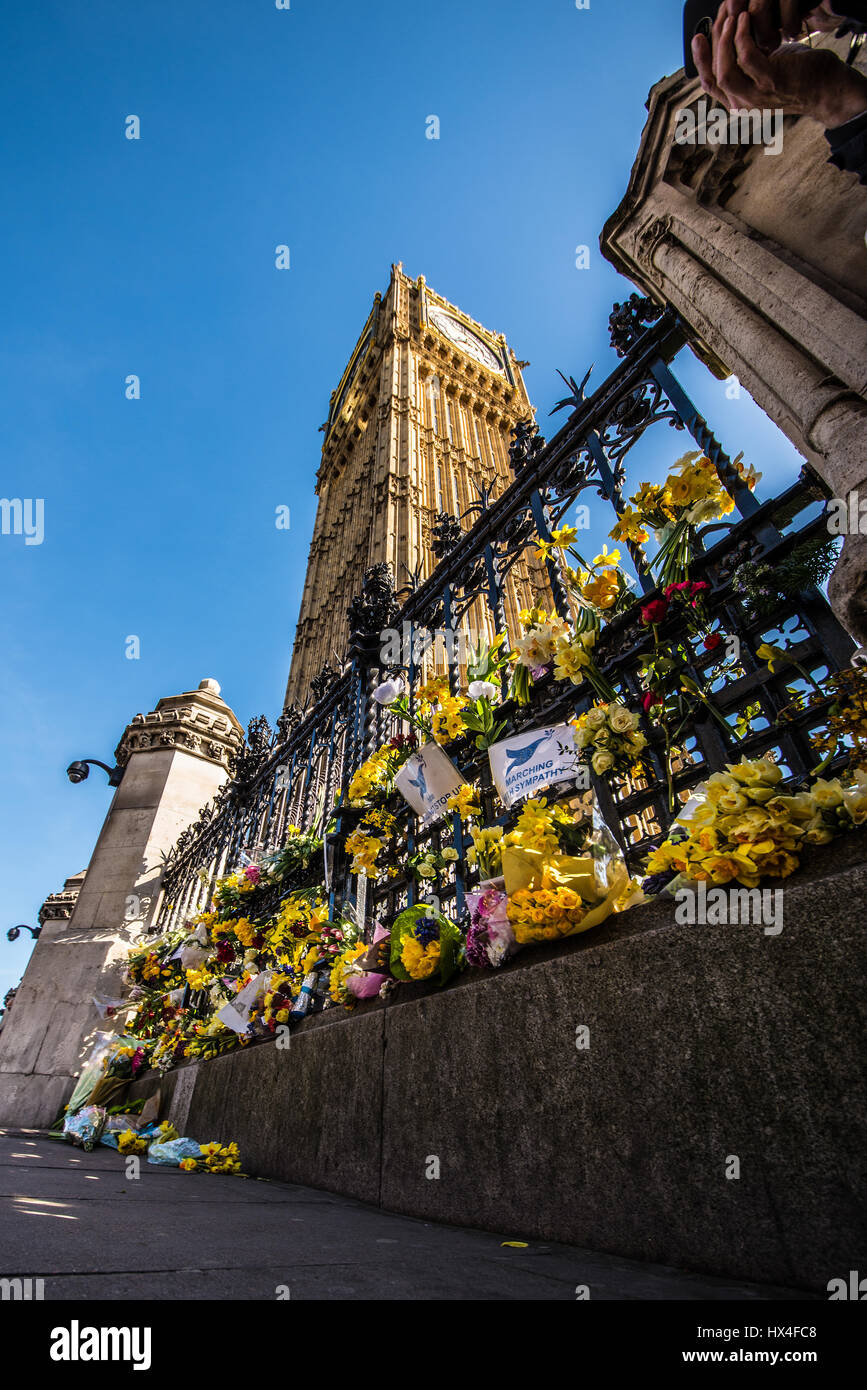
x=477, y=944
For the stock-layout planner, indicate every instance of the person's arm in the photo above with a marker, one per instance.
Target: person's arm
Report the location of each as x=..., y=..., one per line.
x=849, y=146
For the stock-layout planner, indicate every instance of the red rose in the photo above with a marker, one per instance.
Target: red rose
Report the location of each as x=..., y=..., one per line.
x=676, y=588
x=712, y=641
x=652, y=698
x=654, y=612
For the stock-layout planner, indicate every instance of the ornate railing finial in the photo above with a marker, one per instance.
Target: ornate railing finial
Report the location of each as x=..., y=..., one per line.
x=527, y=443
x=576, y=395
x=375, y=607
x=447, y=533
x=288, y=720
x=629, y=320
x=321, y=684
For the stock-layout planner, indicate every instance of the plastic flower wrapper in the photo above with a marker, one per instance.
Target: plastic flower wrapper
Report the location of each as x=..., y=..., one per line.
x=364, y=983
x=425, y=945
x=124, y=1058
x=486, y=852
x=84, y=1128
x=308, y=995
x=553, y=890
x=490, y=940
x=173, y=1152
x=193, y=954
x=116, y=1125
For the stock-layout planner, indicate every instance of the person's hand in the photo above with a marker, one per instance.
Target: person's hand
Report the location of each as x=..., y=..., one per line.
x=802, y=81
x=773, y=21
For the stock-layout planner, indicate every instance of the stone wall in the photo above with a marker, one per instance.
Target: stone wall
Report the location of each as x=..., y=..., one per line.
x=705, y=1043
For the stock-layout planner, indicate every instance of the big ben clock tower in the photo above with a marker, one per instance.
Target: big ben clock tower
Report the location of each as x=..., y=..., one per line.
x=421, y=419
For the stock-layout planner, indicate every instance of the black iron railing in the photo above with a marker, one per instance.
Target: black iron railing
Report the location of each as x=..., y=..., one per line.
x=298, y=775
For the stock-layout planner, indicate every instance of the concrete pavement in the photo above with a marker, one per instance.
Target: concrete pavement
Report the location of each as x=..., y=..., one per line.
x=75, y=1220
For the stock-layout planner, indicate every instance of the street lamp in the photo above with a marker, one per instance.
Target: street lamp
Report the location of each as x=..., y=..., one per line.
x=80, y=771
x=14, y=932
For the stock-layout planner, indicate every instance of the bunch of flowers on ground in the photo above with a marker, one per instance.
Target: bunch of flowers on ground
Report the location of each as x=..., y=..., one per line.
x=544, y=914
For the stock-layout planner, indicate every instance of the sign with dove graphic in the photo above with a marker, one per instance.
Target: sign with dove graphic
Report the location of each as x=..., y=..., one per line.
x=426, y=781
x=525, y=763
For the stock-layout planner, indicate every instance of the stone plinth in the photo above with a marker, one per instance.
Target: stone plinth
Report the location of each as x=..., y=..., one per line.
x=707, y=1043
x=173, y=762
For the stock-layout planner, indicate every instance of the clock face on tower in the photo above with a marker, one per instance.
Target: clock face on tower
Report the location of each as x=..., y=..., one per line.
x=464, y=338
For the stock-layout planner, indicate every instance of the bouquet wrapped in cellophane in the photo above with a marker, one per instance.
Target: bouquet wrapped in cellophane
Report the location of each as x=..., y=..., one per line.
x=425, y=945
x=564, y=872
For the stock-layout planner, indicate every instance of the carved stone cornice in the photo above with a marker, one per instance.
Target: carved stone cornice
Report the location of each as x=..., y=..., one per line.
x=198, y=723
x=58, y=907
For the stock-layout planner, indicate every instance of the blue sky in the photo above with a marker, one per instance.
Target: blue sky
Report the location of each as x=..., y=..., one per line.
x=156, y=257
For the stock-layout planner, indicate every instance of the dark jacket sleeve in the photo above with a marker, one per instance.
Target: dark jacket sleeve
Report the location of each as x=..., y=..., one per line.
x=849, y=145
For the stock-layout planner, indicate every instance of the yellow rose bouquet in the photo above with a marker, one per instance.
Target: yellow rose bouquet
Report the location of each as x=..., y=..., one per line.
x=563, y=871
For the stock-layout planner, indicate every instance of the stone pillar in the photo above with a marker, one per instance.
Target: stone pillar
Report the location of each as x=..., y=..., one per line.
x=173, y=761
x=762, y=256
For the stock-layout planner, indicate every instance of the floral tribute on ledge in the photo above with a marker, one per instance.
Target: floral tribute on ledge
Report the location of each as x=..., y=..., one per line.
x=522, y=853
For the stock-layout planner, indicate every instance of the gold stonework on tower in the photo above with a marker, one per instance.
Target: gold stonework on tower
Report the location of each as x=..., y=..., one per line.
x=420, y=421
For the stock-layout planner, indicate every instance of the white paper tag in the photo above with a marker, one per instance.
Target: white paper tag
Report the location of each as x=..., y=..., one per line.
x=236, y=1014
x=427, y=781
x=526, y=763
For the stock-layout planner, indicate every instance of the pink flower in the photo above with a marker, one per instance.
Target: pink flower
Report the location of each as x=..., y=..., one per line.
x=253, y=873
